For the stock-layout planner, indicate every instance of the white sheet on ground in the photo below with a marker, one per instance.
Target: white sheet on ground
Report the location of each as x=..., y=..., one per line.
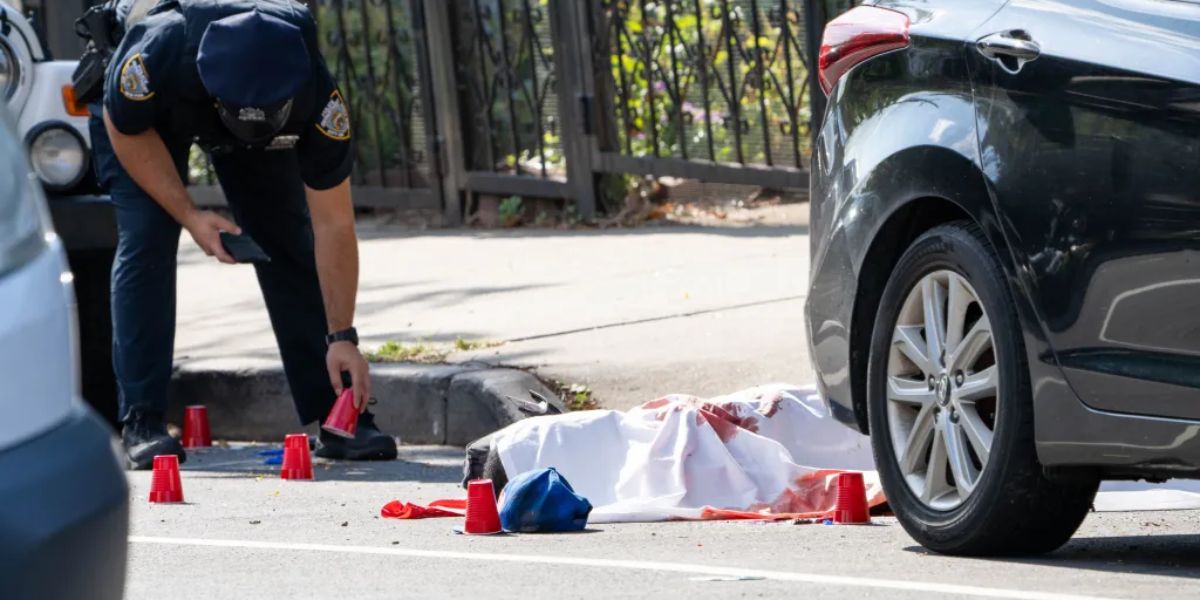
x=1126, y=496
x=764, y=450
x=772, y=449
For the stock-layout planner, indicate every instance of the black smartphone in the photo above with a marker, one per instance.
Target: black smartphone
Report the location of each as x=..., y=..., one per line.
x=243, y=248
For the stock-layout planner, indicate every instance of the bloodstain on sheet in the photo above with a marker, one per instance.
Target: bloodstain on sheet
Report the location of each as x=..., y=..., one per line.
x=812, y=496
x=725, y=418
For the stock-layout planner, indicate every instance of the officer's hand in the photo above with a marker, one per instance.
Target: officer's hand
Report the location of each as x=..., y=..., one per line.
x=206, y=227
x=345, y=357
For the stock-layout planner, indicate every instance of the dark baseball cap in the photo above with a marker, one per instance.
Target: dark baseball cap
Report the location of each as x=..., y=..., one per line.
x=542, y=501
x=253, y=64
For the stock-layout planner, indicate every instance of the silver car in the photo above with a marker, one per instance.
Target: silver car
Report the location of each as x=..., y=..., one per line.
x=63, y=496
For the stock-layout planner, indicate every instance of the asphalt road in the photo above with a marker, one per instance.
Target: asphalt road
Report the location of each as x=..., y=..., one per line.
x=246, y=534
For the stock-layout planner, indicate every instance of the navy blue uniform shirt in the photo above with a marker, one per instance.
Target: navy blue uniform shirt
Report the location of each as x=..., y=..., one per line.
x=153, y=83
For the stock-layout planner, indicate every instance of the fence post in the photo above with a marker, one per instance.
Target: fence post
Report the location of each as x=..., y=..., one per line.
x=576, y=99
x=814, y=29
x=449, y=157
x=605, y=126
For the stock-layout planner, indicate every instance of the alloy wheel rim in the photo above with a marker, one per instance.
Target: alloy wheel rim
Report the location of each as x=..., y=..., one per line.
x=943, y=390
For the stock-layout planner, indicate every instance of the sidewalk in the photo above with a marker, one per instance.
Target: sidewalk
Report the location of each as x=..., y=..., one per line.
x=632, y=313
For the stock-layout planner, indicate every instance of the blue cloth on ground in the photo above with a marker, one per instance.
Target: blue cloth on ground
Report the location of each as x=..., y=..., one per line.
x=542, y=501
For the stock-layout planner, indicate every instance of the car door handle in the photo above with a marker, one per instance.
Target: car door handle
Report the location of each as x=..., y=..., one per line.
x=1011, y=44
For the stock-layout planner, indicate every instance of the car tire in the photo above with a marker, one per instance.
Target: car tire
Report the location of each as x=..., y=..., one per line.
x=1010, y=507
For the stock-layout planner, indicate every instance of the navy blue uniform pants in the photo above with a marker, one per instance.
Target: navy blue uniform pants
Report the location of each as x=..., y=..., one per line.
x=267, y=198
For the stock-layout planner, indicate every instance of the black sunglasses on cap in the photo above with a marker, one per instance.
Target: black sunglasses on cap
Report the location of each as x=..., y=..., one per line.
x=254, y=125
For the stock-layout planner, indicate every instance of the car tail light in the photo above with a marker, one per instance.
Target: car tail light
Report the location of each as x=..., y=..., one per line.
x=74, y=107
x=856, y=36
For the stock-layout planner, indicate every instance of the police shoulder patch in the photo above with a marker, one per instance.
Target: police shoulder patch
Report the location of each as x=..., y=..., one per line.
x=335, y=119
x=135, y=80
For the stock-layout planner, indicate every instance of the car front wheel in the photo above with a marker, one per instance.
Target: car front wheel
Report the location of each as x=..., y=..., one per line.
x=950, y=407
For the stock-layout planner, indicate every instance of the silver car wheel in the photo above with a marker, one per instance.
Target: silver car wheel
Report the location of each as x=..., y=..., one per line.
x=943, y=390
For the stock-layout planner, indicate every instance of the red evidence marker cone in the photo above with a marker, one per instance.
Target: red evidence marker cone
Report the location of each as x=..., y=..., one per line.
x=297, y=461
x=851, y=500
x=195, y=428
x=343, y=419
x=165, y=484
x=482, y=516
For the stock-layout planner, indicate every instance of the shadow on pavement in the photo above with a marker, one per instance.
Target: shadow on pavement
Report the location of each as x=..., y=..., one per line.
x=416, y=464
x=1169, y=555
x=760, y=231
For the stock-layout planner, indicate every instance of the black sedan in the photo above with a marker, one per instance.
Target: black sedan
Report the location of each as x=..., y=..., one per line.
x=1005, y=287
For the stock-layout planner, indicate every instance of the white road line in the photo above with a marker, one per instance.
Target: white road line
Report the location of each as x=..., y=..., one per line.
x=604, y=563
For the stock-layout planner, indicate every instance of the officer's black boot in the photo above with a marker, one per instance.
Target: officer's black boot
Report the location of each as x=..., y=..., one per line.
x=369, y=443
x=144, y=437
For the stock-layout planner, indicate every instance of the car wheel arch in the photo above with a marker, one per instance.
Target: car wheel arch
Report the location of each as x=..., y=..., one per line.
x=896, y=232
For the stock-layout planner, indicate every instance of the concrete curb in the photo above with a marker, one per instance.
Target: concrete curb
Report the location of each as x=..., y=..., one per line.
x=423, y=404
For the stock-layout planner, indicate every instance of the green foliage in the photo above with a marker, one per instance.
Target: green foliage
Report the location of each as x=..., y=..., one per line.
x=579, y=397
x=200, y=171
x=656, y=59
x=371, y=51
x=419, y=352
x=612, y=190
x=512, y=209
x=462, y=345
x=507, y=72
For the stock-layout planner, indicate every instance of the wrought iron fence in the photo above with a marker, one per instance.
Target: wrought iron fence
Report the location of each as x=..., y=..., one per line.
x=540, y=97
x=375, y=51
x=505, y=66
x=721, y=80
x=371, y=48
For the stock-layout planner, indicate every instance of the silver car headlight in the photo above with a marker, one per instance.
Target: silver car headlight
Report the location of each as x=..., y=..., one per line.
x=58, y=154
x=8, y=71
x=24, y=223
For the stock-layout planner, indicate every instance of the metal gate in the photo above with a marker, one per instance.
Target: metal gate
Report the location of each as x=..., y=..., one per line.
x=376, y=50
x=542, y=98
x=707, y=89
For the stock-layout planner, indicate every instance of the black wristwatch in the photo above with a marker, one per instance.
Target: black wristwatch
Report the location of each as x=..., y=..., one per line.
x=345, y=335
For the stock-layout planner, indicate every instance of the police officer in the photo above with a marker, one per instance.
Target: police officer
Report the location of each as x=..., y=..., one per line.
x=245, y=80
